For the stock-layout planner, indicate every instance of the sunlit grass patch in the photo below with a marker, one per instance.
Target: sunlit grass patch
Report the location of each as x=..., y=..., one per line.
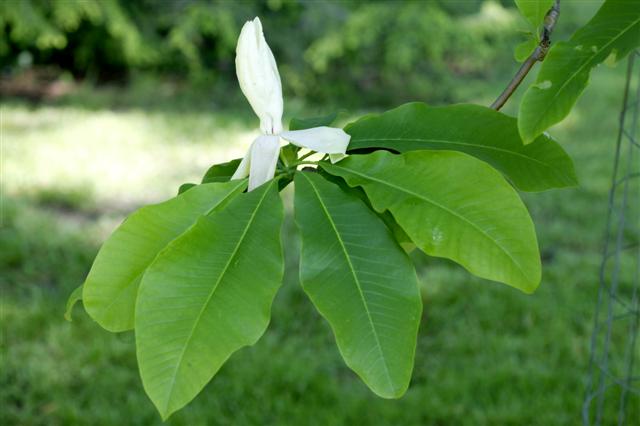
x=123, y=157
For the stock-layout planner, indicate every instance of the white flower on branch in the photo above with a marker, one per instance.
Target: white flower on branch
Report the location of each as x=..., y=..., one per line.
x=259, y=79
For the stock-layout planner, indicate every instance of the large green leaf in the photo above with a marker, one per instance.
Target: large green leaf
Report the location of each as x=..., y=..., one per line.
x=361, y=281
x=208, y=294
x=110, y=290
x=452, y=205
x=476, y=130
x=534, y=10
x=615, y=29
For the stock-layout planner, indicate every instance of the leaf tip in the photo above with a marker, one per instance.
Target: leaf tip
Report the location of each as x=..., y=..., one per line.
x=74, y=297
x=392, y=392
x=530, y=286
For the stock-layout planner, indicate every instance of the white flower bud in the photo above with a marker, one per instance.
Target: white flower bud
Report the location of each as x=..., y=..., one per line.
x=259, y=78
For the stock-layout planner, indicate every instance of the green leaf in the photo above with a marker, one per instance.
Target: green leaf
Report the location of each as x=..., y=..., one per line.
x=534, y=10
x=207, y=294
x=308, y=123
x=525, y=49
x=74, y=297
x=361, y=281
x=564, y=74
x=221, y=172
x=476, y=130
x=289, y=153
x=452, y=205
x=398, y=233
x=110, y=290
x=185, y=187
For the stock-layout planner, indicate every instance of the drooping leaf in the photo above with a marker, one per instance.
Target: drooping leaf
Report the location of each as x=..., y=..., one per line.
x=221, y=172
x=74, y=297
x=534, y=10
x=110, y=289
x=185, y=187
x=308, y=123
x=361, y=281
x=476, y=130
x=207, y=294
x=452, y=205
x=615, y=29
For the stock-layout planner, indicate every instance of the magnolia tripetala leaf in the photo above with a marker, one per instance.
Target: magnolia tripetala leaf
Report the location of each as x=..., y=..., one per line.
x=476, y=130
x=452, y=205
x=207, y=294
x=614, y=30
x=361, y=281
x=109, y=293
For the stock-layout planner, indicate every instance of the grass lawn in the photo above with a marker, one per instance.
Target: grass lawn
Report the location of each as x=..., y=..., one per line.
x=487, y=354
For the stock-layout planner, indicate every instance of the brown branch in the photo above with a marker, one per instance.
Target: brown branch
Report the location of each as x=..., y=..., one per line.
x=538, y=55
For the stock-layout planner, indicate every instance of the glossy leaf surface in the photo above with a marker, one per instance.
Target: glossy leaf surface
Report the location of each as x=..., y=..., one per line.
x=361, y=281
x=208, y=294
x=308, y=123
x=110, y=289
x=452, y=205
x=479, y=131
x=398, y=233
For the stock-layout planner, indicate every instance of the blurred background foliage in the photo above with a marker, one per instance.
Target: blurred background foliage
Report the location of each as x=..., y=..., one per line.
x=344, y=52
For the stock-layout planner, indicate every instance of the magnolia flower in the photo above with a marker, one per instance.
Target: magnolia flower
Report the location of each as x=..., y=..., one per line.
x=260, y=82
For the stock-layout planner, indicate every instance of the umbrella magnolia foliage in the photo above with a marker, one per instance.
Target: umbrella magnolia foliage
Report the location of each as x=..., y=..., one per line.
x=195, y=276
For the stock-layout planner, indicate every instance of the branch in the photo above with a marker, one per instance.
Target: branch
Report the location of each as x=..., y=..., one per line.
x=538, y=55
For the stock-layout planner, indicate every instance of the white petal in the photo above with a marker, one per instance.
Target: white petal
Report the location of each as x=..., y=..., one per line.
x=259, y=78
x=320, y=139
x=264, y=158
x=243, y=168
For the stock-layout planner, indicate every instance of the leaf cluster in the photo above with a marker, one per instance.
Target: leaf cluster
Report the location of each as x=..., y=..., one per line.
x=195, y=276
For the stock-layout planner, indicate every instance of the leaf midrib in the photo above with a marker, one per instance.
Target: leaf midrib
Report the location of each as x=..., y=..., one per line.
x=456, y=142
x=357, y=281
x=452, y=212
x=138, y=276
x=573, y=75
x=213, y=290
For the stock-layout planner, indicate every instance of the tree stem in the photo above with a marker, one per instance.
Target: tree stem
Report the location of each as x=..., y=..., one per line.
x=538, y=55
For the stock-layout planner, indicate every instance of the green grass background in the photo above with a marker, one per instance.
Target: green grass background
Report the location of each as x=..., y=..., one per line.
x=487, y=354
